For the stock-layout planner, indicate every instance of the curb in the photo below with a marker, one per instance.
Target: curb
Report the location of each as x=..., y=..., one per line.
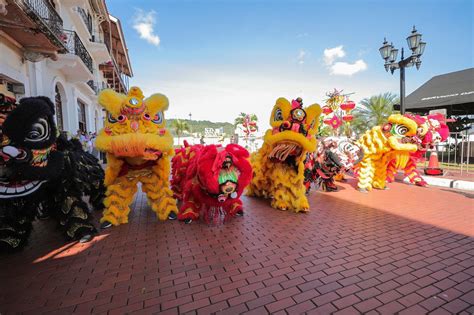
x=443, y=182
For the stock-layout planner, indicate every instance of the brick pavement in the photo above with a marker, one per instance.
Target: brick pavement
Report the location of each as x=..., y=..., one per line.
x=384, y=252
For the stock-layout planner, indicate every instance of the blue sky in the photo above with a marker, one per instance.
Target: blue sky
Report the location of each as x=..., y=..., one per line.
x=218, y=58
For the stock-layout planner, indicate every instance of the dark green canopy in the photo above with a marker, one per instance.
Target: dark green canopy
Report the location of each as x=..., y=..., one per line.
x=453, y=91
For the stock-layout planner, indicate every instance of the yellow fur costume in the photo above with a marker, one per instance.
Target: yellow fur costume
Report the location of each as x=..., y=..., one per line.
x=279, y=164
x=392, y=141
x=138, y=150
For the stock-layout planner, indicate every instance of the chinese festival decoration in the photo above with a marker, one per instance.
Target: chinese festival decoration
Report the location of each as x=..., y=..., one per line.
x=248, y=124
x=337, y=112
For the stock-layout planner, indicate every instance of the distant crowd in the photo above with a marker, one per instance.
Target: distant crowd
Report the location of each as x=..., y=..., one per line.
x=87, y=140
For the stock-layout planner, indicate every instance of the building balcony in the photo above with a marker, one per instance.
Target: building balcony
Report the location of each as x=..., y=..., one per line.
x=35, y=26
x=115, y=77
x=93, y=41
x=76, y=63
x=96, y=87
x=99, y=49
x=86, y=18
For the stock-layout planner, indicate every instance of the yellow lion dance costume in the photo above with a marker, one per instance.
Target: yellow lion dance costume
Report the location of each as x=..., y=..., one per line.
x=382, y=144
x=279, y=164
x=138, y=150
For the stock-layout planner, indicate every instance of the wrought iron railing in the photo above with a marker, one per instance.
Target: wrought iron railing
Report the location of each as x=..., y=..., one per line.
x=45, y=11
x=75, y=46
x=86, y=17
x=97, y=86
x=92, y=85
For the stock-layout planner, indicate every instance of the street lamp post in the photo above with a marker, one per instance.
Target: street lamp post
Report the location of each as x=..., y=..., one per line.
x=389, y=54
x=190, y=115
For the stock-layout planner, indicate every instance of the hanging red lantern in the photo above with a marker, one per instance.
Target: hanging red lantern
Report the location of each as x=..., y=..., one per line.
x=327, y=110
x=348, y=118
x=348, y=106
x=327, y=121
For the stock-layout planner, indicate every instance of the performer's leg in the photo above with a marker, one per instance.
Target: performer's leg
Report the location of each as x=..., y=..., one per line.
x=15, y=225
x=365, y=173
x=157, y=189
x=119, y=196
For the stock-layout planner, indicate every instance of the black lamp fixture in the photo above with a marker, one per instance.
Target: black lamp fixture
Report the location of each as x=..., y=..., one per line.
x=389, y=53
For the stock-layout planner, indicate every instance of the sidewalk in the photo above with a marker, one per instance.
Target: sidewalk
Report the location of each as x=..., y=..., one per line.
x=406, y=250
x=450, y=179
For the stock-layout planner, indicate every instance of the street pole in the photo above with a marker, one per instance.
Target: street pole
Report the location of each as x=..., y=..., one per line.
x=402, y=85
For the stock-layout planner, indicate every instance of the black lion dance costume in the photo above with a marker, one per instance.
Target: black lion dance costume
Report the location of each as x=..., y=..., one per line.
x=42, y=174
x=334, y=156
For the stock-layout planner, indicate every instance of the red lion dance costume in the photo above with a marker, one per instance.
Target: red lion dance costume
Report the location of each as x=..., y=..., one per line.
x=209, y=181
x=432, y=129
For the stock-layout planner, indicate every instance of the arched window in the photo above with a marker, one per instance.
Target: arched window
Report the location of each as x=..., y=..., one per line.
x=58, y=107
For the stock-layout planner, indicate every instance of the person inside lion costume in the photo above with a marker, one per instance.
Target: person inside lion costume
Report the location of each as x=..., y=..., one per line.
x=432, y=130
x=209, y=181
x=138, y=148
x=279, y=164
x=43, y=174
x=392, y=141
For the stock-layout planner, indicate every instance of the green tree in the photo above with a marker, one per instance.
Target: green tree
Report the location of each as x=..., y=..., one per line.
x=180, y=126
x=373, y=111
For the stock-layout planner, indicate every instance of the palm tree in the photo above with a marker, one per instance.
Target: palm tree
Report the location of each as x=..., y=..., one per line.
x=180, y=126
x=373, y=111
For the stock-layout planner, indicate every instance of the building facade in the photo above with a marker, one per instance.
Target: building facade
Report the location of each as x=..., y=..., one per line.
x=67, y=50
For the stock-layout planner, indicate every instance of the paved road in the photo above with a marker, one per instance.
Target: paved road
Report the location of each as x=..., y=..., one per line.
x=408, y=250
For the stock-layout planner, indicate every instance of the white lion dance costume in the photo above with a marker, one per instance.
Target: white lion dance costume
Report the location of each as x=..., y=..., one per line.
x=138, y=151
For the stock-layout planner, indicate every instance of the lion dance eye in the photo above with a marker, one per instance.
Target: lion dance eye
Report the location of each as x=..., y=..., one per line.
x=40, y=131
x=111, y=118
x=146, y=117
x=298, y=114
x=278, y=115
x=158, y=119
x=400, y=130
x=121, y=119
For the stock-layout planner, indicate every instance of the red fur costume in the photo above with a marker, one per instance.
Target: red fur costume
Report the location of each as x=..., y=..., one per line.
x=209, y=180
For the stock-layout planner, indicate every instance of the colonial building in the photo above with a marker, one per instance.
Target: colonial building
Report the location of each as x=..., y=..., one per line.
x=67, y=50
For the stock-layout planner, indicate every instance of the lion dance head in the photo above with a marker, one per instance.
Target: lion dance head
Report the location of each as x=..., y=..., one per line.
x=393, y=140
x=135, y=127
x=209, y=181
x=138, y=148
x=431, y=130
x=279, y=164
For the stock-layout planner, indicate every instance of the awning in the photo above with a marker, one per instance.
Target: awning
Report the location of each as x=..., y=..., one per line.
x=453, y=91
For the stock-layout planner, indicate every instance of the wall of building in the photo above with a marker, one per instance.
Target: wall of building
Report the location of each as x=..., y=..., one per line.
x=41, y=78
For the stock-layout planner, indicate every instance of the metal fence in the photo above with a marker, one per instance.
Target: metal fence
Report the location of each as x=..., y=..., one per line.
x=75, y=46
x=457, y=153
x=47, y=14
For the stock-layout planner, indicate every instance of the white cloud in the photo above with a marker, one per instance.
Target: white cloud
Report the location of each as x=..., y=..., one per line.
x=345, y=68
x=143, y=23
x=301, y=56
x=331, y=54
